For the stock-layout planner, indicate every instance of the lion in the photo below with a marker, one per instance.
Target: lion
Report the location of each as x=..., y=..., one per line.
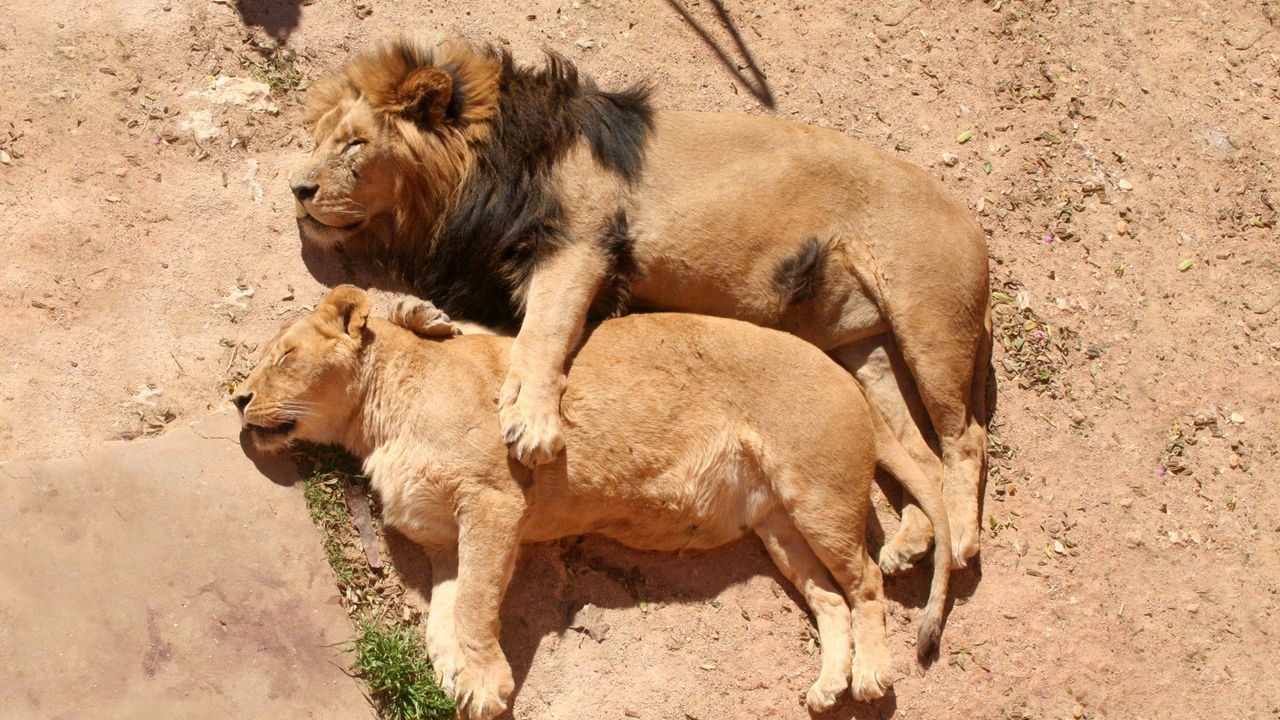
x=683, y=432
x=530, y=198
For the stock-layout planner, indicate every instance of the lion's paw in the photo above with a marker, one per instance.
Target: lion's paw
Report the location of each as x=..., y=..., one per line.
x=901, y=553
x=531, y=428
x=964, y=543
x=422, y=318
x=871, y=677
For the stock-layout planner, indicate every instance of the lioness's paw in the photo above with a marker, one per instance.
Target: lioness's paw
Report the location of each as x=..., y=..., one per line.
x=871, y=677
x=530, y=424
x=481, y=696
x=446, y=661
x=422, y=318
x=822, y=696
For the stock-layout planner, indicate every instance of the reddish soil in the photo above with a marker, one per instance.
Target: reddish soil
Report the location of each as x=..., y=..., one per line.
x=1122, y=156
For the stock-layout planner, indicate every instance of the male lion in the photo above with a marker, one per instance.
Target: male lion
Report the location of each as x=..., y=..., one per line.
x=518, y=196
x=665, y=451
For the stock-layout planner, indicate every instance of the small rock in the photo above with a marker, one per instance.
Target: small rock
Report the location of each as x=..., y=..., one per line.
x=1058, y=548
x=1122, y=228
x=67, y=51
x=1236, y=418
x=5, y=159
x=708, y=666
x=1124, y=184
x=1233, y=462
x=1077, y=712
x=113, y=198
x=631, y=713
x=589, y=620
x=1193, y=608
x=1127, y=502
x=950, y=159
x=1078, y=417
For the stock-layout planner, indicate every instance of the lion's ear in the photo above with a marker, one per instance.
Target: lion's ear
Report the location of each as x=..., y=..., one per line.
x=346, y=307
x=423, y=96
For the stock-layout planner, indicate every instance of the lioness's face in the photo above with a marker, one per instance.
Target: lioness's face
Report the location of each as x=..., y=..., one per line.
x=303, y=387
x=349, y=179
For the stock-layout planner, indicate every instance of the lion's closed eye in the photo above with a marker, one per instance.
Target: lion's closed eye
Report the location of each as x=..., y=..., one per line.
x=283, y=355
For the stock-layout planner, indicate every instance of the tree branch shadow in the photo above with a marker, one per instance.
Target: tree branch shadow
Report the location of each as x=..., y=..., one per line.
x=757, y=84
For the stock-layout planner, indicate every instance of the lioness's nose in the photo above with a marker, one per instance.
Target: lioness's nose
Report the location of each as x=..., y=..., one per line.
x=304, y=189
x=241, y=401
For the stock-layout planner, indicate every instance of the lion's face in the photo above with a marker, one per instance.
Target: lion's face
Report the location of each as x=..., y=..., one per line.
x=349, y=178
x=391, y=133
x=303, y=387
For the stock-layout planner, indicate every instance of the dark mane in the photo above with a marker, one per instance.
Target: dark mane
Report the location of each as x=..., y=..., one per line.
x=508, y=214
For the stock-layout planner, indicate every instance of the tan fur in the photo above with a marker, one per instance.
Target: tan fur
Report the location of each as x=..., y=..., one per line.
x=685, y=432
x=720, y=202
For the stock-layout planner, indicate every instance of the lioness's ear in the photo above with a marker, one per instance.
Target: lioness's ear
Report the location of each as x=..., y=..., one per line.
x=423, y=96
x=347, y=308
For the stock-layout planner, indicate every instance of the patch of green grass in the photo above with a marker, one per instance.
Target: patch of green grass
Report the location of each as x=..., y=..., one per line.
x=275, y=68
x=393, y=662
x=389, y=654
x=323, y=492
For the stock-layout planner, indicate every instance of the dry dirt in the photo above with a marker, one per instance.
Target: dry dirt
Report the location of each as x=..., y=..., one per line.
x=1122, y=156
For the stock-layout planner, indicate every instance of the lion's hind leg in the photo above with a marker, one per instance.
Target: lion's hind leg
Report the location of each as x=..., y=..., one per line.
x=798, y=563
x=889, y=388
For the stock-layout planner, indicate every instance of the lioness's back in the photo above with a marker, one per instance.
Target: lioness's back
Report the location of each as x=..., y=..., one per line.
x=669, y=373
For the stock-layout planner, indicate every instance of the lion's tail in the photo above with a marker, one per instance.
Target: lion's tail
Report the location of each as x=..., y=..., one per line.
x=895, y=460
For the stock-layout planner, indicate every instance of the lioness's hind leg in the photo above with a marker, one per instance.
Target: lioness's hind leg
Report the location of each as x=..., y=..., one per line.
x=422, y=318
x=797, y=562
x=833, y=522
x=872, y=664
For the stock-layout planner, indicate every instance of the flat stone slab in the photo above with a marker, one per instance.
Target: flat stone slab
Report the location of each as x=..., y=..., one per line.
x=167, y=578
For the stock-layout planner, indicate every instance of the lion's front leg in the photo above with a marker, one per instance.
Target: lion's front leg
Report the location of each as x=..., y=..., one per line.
x=556, y=304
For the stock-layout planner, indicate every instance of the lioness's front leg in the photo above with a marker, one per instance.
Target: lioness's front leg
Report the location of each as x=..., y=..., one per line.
x=488, y=540
x=556, y=304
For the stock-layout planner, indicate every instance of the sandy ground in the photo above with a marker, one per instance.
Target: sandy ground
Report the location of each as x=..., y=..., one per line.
x=1122, y=157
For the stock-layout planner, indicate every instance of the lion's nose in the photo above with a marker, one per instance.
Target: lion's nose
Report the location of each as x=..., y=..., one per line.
x=304, y=190
x=241, y=401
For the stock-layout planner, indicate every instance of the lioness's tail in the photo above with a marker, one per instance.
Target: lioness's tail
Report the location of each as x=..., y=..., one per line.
x=893, y=458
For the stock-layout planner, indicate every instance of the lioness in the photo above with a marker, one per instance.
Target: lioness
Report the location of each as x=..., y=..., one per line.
x=684, y=432
x=520, y=196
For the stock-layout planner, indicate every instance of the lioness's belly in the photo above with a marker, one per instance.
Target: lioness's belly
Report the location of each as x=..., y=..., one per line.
x=704, y=500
